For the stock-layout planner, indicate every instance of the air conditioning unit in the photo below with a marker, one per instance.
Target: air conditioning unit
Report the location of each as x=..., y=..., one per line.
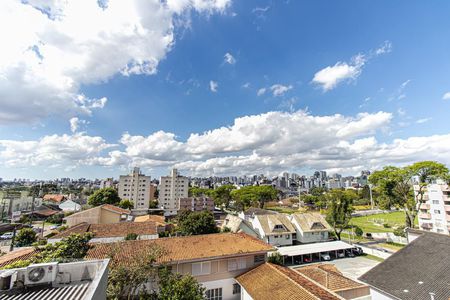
x=41, y=273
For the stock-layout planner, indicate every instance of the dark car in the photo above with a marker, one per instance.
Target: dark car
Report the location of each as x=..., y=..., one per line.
x=349, y=253
x=358, y=251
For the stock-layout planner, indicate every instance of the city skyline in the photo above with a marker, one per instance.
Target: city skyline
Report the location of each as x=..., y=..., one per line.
x=92, y=89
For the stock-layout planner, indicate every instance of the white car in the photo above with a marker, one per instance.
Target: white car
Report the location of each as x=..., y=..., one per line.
x=325, y=256
x=6, y=236
x=341, y=254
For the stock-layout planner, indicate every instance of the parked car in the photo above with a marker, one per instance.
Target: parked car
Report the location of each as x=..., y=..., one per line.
x=369, y=236
x=6, y=236
x=358, y=251
x=54, y=227
x=325, y=256
x=349, y=253
x=382, y=250
x=307, y=259
x=341, y=254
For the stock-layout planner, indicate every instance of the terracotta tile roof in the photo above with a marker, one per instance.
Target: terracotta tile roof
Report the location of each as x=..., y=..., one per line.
x=19, y=254
x=155, y=218
x=273, y=282
x=268, y=223
x=177, y=249
x=111, y=230
x=47, y=212
x=312, y=222
x=54, y=198
x=329, y=276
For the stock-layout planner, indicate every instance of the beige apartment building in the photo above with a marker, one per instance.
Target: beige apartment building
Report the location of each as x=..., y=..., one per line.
x=171, y=189
x=196, y=204
x=135, y=187
x=434, y=210
x=103, y=214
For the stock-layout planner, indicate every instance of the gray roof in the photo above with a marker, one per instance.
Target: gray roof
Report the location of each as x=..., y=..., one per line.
x=268, y=223
x=421, y=268
x=66, y=292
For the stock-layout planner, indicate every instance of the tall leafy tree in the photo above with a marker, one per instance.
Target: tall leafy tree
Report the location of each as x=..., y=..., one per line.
x=340, y=210
x=25, y=237
x=107, y=195
x=126, y=204
x=194, y=223
x=253, y=196
x=174, y=286
x=222, y=195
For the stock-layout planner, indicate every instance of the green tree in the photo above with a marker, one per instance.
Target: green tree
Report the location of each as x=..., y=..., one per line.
x=75, y=246
x=126, y=204
x=276, y=258
x=131, y=236
x=340, y=210
x=222, y=195
x=104, y=196
x=25, y=237
x=194, y=223
x=197, y=192
x=174, y=286
x=253, y=196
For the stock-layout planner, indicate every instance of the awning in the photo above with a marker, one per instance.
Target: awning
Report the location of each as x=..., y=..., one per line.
x=313, y=248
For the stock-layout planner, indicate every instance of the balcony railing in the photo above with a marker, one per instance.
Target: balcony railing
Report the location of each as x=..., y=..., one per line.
x=424, y=206
x=424, y=216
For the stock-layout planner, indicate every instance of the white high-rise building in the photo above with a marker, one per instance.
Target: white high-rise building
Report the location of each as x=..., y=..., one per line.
x=171, y=189
x=135, y=187
x=434, y=210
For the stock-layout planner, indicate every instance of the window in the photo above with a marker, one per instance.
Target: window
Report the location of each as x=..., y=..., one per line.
x=435, y=201
x=237, y=264
x=202, y=268
x=278, y=227
x=214, y=294
x=437, y=211
x=287, y=236
x=259, y=258
x=236, y=288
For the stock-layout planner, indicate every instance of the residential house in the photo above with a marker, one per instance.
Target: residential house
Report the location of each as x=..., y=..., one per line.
x=107, y=233
x=103, y=214
x=272, y=282
x=275, y=229
x=215, y=260
x=54, y=199
x=421, y=270
x=251, y=212
x=332, y=279
x=238, y=225
x=310, y=227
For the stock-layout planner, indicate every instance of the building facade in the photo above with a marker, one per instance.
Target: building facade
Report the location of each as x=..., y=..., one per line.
x=434, y=210
x=196, y=204
x=135, y=187
x=171, y=189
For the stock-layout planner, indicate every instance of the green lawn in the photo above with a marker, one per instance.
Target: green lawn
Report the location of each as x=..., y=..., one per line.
x=372, y=257
x=374, y=223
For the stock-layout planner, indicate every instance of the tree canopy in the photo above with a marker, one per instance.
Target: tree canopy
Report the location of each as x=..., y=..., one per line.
x=340, y=210
x=126, y=204
x=25, y=237
x=104, y=196
x=253, y=196
x=193, y=223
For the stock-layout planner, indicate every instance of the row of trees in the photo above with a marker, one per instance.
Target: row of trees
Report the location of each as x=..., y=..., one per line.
x=109, y=195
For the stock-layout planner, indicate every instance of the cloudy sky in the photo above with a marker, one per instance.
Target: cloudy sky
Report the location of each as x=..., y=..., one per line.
x=224, y=87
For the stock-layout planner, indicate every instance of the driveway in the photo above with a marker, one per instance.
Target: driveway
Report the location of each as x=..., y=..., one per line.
x=354, y=267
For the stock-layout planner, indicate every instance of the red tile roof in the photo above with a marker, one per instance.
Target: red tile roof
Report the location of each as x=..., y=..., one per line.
x=19, y=254
x=115, y=208
x=177, y=249
x=54, y=198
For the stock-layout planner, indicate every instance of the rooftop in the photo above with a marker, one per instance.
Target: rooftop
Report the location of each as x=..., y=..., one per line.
x=177, y=249
x=77, y=281
x=329, y=276
x=420, y=268
x=314, y=248
x=16, y=255
x=312, y=222
x=154, y=218
x=259, y=211
x=121, y=229
x=273, y=282
x=109, y=207
x=268, y=223
x=53, y=197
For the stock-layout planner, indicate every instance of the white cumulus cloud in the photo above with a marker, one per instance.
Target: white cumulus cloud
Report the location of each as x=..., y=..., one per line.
x=63, y=45
x=279, y=89
x=213, y=86
x=446, y=96
x=229, y=59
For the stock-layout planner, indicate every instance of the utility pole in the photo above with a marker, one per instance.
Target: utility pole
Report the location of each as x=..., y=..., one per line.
x=371, y=198
x=11, y=247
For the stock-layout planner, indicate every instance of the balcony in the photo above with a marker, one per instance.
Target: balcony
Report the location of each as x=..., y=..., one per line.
x=447, y=217
x=424, y=206
x=447, y=208
x=426, y=226
x=426, y=216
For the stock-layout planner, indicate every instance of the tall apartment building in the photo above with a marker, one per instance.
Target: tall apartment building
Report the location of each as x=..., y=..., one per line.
x=171, y=189
x=434, y=210
x=135, y=187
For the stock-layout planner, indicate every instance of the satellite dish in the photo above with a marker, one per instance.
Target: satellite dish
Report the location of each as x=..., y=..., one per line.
x=36, y=274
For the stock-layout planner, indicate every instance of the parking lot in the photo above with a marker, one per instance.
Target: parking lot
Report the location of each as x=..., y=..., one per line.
x=354, y=267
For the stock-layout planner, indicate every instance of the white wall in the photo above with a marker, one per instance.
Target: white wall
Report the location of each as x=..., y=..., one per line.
x=227, y=288
x=377, y=295
x=245, y=295
x=308, y=237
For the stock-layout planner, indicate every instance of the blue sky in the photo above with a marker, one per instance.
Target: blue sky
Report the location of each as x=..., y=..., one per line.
x=223, y=87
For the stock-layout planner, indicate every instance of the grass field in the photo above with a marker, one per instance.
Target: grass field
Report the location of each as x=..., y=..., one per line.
x=372, y=257
x=374, y=223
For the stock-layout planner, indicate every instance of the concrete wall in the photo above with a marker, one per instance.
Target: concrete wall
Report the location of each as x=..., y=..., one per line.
x=375, y=252
x=355, y=293
x=378, y=295
x=90, y=216
x=245, y=295
x=390, y=237
x=109, y=217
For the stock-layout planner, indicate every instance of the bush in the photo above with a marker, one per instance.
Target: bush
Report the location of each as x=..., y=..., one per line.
x=276, y=258
x=25, y=237
x=358, y=231
x=226, y=229
x=400, y=231
x=386, y=225
x=131, y=236
x=55, y=219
